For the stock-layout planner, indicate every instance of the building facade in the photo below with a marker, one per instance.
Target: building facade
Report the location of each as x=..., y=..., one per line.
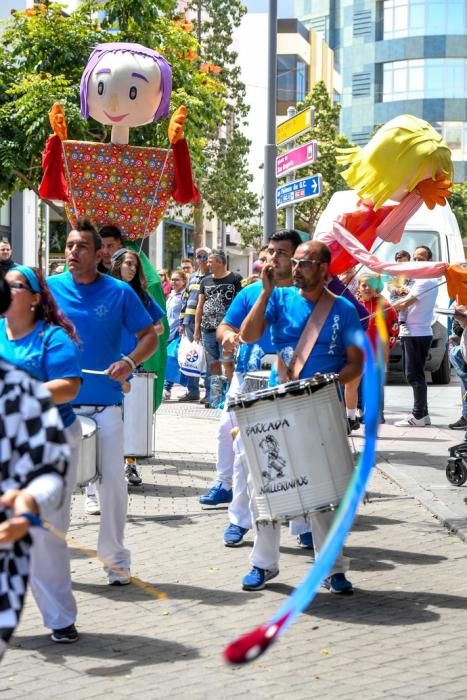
x=396, y=57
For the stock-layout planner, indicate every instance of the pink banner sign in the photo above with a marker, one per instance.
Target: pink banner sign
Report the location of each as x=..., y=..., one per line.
x=296, y=158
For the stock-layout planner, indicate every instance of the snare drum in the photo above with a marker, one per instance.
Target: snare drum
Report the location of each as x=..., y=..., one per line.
x=254, y=381
x=296, y=449
x=87, y=461
x=138, y=416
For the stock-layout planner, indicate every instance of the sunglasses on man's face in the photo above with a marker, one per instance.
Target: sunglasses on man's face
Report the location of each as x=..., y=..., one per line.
x=304, y=263
x=201, y=257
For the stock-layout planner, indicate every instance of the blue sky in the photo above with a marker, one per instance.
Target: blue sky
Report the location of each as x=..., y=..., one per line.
x=285, y=8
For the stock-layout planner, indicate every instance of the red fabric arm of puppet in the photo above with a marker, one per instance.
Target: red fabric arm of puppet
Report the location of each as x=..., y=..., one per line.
x=53, y=185
x=185, y=190
x=363, y=224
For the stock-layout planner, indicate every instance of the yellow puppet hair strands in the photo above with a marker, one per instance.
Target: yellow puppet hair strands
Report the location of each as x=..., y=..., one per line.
x=397, y=156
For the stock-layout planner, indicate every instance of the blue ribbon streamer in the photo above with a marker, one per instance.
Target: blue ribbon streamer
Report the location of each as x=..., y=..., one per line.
x=345, y=514
x=251, y=645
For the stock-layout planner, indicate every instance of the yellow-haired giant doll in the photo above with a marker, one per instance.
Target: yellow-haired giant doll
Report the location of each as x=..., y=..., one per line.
x=406, y=161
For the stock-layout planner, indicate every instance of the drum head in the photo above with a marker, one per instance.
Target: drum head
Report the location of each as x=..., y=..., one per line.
x=88, y=426
x=295, y=388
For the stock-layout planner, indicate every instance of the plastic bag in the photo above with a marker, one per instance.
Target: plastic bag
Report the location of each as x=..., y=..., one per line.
x=191, y=358
x=172, y=371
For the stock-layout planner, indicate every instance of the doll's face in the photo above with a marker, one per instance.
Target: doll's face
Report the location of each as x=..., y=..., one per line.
x=124, y=89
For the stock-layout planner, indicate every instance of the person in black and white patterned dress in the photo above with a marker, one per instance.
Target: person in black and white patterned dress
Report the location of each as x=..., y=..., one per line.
x=33, y=460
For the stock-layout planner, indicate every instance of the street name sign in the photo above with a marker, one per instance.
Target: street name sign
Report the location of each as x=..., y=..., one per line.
x=298, y=191
x=296, y=158
x=293, y=127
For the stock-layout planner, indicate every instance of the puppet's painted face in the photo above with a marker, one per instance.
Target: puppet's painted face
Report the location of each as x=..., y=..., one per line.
x=124, y=89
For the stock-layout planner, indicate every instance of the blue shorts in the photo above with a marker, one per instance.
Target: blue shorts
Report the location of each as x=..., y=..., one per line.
x=212, y=348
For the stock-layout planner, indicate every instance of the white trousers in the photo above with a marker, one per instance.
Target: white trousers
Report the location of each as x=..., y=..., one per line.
x=265, y=552
x=225, y=450
x=112, y=487
x=50, y=577
x=239, y=508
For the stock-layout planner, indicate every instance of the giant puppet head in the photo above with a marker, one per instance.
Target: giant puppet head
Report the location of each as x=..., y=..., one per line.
x=402, y=153
x=405, y=158
x=123, y=86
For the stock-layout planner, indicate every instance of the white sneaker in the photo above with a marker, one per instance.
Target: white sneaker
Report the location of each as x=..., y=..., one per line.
x=412, y=422
x=91, y=505
x=166, y=395
x=122, y=577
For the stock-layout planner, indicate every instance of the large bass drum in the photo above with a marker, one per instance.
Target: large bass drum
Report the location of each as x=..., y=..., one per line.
x=296, y=448
x=138, y=416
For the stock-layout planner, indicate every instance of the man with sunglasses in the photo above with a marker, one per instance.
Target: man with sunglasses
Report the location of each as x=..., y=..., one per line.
x=188, y=312
x=286, y=311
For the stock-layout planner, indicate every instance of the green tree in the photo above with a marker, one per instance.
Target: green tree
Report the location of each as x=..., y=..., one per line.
x=227, y=183
x=325, y=132
x=458, y=202
x=223, y=176
x=42, y=55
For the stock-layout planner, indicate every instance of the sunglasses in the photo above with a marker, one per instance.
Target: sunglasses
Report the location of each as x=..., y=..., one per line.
x=201, y=257
x=19, y=285
x=304, y=263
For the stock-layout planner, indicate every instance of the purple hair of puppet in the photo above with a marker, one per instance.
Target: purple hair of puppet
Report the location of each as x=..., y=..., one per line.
x=102, y=50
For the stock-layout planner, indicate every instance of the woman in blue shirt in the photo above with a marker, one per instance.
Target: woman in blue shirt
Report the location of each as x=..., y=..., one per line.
x=126, y=266
x=36, y=337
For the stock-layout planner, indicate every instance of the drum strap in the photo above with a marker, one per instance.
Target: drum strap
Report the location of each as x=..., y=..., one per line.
x=310, y=334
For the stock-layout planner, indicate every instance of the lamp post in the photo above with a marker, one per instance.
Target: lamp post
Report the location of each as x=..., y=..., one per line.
x=270, y=150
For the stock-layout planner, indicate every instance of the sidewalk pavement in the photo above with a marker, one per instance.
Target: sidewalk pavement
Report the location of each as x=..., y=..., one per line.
x=401, y=635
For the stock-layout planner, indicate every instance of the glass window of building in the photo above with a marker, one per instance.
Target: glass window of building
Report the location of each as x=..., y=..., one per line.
x=5, y=214
x=442, y=78
x=286, y=67
x=403, y=18
x=455, y=135
x=301, y=81
x=292, y=80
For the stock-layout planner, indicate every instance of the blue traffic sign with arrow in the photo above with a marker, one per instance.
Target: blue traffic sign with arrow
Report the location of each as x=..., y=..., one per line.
x=299, y=191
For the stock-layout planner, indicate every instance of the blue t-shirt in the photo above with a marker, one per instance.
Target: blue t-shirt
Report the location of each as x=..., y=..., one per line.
x=130, y=341
x=287, y=313
x=249, y=356
x=47, y=353
x=99, y=310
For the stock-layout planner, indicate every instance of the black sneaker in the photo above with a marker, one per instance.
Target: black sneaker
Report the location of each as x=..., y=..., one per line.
x=187, y=398
x=460, y=424
x=65, y=635
x=131, y=475
x=354, y=424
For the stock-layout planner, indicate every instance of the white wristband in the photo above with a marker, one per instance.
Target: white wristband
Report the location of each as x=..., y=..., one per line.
x=129, y=360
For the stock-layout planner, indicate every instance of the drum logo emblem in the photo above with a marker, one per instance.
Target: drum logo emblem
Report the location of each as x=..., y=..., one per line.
x=275, y=467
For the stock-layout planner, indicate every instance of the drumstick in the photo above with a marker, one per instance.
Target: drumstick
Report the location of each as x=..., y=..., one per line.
x=126, y=386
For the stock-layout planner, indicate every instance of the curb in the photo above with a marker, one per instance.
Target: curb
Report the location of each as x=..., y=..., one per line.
x=412, y=488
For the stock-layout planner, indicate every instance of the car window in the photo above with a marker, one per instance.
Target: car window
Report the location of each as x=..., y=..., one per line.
x=409, y=241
